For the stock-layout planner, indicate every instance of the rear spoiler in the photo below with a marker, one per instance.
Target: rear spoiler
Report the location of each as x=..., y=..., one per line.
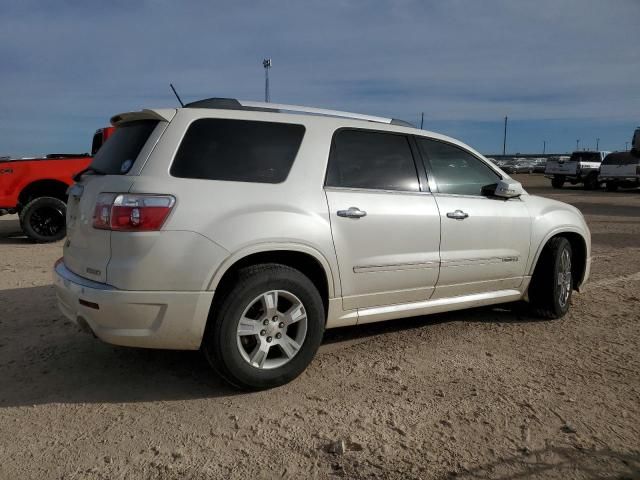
x=164, y=115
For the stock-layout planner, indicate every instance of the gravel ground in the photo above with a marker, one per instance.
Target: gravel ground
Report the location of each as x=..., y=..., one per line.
x=487, y=393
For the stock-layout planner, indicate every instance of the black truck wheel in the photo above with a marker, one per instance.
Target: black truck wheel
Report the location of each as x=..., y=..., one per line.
x=43, y=219
x=557, y=181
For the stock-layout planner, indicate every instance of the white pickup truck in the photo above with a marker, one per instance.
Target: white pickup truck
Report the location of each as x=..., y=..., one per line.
x=622, y=169
x=582, y=167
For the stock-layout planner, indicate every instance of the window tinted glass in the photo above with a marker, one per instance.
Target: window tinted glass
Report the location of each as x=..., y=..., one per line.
x=620, y=158
x=361, y=159
x=455, y=170
x=118, y=153
x=585, y=157
x=237, y=150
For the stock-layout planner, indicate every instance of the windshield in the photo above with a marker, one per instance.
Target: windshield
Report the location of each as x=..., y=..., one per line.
x=119, y=152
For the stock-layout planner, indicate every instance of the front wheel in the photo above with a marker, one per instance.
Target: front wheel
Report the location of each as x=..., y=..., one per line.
x=612, y=187
x=552, y=282
x=557, y=182
x=43, y=219
x=591, y=182
x=266, y=330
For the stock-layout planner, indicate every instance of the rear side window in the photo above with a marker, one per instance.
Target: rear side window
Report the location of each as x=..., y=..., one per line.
x=456, y=171
x=372, y=160
x=237, y=150
x=118, y=153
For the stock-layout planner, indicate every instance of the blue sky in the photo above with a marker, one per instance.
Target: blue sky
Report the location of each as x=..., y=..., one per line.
x=560, y=69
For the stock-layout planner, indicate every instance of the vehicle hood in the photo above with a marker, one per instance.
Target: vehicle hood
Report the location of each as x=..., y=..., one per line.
x=541, y=206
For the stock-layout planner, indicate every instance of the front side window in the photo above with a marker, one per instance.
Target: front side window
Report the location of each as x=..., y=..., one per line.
x=455, y=170
x=238, y=150
x=371, y=160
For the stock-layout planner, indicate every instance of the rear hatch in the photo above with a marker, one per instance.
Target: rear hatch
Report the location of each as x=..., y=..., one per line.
x=620, y=164
x=87, y=250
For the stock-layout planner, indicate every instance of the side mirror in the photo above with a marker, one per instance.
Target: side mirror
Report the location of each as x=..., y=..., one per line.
x=506, y=188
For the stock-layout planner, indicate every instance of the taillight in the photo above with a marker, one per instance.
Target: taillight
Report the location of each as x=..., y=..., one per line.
x=132, y=212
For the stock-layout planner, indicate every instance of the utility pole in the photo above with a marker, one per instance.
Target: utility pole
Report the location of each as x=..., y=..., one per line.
x=597, y=144
x=421, y=120
x=544, y=147
x=266, y=63
x=504, y=139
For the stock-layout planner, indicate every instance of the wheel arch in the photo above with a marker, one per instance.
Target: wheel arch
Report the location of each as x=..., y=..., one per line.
x=301, y=257
x=47, y=187
x=579, y=249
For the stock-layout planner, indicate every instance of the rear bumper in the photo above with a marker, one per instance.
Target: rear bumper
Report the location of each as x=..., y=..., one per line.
x=624, y=179
x=150, y=319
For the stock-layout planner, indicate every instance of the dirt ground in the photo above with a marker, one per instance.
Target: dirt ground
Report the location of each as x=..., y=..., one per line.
x=487, y=393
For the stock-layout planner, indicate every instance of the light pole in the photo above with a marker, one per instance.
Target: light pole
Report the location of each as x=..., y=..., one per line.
x=597, y=144
x=504, y=139
x=266, y=63
x=577, y=144
x=544, y=147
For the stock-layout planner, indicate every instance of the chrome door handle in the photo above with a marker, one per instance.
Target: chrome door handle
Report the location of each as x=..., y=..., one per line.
x=352, y=212
x=457, y=215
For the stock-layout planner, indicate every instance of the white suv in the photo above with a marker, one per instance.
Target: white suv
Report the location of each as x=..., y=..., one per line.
x=246, y=229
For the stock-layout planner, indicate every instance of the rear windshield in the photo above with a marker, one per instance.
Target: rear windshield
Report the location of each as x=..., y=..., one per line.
x=585, y=157
x=238, y=150
x=119, y=152
x=620, y=158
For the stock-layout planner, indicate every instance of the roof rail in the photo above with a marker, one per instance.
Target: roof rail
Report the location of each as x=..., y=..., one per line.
x=233, y=104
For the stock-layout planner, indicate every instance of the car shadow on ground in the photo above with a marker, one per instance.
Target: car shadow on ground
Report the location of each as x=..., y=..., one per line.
x=46, y=359
x=11, y=233
x=559, y=462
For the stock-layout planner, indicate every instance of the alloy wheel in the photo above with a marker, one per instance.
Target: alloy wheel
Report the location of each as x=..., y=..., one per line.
x=272, y=329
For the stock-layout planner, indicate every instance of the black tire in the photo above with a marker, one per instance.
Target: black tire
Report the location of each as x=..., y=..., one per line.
x=545, y=293
x=220, y=342
x=591, y=182
x=611, y=187
x=557, y=182
x=43, y=219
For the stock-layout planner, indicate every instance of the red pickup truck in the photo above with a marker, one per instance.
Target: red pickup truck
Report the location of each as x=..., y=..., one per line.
x=36, y=189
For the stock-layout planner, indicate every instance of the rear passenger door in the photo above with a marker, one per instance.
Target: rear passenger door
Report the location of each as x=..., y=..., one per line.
x=485, y=241
x=384, y=221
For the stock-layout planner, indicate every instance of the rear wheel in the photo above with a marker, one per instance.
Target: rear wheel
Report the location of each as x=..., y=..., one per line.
x=266, y=330
x=611, y=186
x=557, y=182
x=552, y=282
x=43, y=219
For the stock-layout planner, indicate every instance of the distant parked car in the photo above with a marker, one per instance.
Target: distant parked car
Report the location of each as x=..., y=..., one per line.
x=582, y=167
x=518, y=165
x=540, y=165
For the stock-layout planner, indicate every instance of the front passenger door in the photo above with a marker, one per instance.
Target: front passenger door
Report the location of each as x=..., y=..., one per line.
x=485, y=241
x=385, y=227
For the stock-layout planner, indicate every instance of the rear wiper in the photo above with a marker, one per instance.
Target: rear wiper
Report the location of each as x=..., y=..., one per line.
x=93, y=170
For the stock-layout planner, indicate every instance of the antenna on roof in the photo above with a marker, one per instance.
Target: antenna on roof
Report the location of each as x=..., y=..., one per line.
x=176, y=94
